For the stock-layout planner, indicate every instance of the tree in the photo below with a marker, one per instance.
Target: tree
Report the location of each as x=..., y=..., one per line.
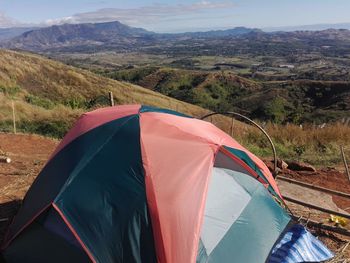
x=275, y=110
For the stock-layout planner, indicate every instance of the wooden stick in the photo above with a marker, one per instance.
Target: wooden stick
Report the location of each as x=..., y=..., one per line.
x=111, y=98
x=345, y=247
x=314, y=187
x=4, y=159
x=320, y=225
x=14, y=118
x=345, y=163
x=325, y=210
x=232, y=127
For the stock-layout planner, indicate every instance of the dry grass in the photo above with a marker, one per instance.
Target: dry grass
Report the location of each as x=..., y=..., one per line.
x=294, y=134
x=312, y=144
x=342, y=255
x=58, y=82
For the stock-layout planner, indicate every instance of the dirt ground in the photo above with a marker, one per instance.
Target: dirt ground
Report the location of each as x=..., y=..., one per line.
x=29, y=154
x=328, y=178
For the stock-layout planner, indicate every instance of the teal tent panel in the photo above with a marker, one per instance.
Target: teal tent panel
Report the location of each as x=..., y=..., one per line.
x=202, y=256
x=244, y=157
x=104, y=198
x=51, y=179
x=154, y=109
x=253, y=235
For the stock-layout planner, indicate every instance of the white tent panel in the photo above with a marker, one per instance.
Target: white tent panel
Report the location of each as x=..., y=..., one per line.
x=226, y=200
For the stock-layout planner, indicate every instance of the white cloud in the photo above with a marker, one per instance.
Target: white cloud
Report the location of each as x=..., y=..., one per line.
x=6, y=21
x=145, y=15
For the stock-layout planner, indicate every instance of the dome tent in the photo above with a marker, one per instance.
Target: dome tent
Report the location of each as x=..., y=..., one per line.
x=141, y=184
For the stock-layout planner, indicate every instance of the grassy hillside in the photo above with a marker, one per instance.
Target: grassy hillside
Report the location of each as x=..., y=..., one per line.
x=280, y=101
x=49, y=95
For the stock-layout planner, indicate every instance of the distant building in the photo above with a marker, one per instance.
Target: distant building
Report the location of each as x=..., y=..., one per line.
x=287, y=66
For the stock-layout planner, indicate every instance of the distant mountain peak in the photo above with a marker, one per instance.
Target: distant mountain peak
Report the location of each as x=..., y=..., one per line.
x=70, y=35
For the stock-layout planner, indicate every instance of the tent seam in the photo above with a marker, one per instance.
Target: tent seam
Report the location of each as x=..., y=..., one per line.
x=25, y=226
x=75, y=172
x=146, y=174
x=71, y=228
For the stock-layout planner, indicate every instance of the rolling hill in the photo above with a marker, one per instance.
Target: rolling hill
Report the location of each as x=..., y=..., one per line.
x=280, y=101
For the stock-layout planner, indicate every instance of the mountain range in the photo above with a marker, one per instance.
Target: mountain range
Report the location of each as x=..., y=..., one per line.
x=115, y=36
x=314, y=27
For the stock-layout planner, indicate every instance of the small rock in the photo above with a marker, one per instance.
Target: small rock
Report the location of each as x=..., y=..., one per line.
x=282, y=164
x=300, y=166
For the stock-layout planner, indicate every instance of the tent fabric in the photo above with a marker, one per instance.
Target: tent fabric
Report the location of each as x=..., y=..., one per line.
x=99, y=183
x=154, y=109
x=37, y=244
x=138, y=184
x=167, y=148
x=93, y=119
x=256, y=226
x=260, y=176
x=298, y=245
x=55, y=174
x=226, y=200
x=53, y=222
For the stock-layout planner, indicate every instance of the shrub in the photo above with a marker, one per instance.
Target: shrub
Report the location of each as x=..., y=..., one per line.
x=275, y=110
x=99, y=101
x=41, y=102
x=76, y=103
x=51, y=128
x=10, y=90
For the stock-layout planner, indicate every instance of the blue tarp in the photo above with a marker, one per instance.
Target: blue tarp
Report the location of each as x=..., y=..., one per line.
x=299, y=245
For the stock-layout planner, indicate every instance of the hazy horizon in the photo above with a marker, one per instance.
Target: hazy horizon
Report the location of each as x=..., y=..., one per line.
x=176, y=16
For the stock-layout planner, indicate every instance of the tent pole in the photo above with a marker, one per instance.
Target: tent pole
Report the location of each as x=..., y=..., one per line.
x=320, y=225
x=316, y=207
x=256, y=125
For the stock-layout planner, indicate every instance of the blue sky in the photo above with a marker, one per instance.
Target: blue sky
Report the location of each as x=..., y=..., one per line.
x=176, y=15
